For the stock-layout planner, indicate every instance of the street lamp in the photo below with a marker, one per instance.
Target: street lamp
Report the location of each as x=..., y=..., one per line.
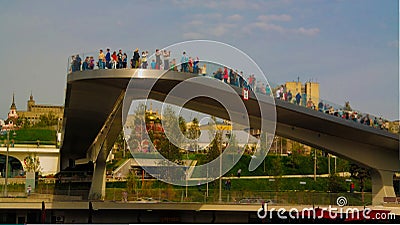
x=220, y=170
x=6, y=177
x=58, y=135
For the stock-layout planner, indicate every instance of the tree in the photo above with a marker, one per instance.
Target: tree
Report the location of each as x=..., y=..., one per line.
x=47, y=120
x=175, y=127
x=276, y=170
x=335, y=184
x=120, y=142
x=193, y=132
x=137, y=123
x=359, y=173
x=170, y=151
x=32, y=164
x=23, y=122
x=182, y=125
x=215, y=148
x=132, y=182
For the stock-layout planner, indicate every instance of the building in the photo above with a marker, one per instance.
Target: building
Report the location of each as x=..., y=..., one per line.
x=307, y=91
x=12, y=117
x=312, y=91
x=34, y=111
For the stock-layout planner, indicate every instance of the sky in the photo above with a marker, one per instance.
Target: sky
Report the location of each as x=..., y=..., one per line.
x=350, y=47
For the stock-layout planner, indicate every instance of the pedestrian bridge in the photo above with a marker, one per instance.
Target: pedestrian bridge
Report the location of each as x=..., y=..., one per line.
x=93, y=120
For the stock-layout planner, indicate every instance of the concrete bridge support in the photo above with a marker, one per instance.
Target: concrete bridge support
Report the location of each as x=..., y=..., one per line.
x=101, y=147
x=98, y=186
x=382, y=185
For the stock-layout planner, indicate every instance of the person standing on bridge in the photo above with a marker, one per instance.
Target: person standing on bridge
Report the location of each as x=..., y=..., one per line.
x=102, y=59
x=241, y=80
x=226, y=75
x=298, y=98
x=108, y=59
x=321, y=106
x=135, y=59
x=310, y=104
x=289, y=96
x=278, y=93
x=184, y=63
x=158, y=59
x=120, y=55
x=144, y=60
x=166, y=55
x=85, y=64
x=204, y=70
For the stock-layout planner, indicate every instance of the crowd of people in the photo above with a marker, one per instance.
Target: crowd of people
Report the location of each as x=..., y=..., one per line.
x=345, y=112
x=162, y=61
x=119, y=60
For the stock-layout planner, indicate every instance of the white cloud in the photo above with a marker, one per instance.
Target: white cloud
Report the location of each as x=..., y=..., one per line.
x=235, y=17
x=308, y=32
x=209, y=24
x=208, y=16
x=266, y=23
x=282, y=17
x=192, y=35
x=267, y=26
x=195, y=23
x=220, y=29
x=222, y=5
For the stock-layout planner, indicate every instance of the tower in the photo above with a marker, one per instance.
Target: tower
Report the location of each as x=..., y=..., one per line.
x=13, y=110
x=12, y=116
x=312, y=91
x=31, y=103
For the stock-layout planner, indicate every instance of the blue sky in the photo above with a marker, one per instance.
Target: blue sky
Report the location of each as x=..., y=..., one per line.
x=350, y=47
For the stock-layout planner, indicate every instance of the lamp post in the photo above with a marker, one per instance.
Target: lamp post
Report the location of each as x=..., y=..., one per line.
x=220, y=171
x=58, y=136
x=315, y=164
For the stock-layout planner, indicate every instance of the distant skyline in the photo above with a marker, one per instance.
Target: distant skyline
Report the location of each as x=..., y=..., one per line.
x=350, y=47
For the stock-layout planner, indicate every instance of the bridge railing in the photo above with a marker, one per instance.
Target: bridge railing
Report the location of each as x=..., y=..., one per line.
x=213, y=70
x=328, y=107
x=17, y=143
x=77, y=189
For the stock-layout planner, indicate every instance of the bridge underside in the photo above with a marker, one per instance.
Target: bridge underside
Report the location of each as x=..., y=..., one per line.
x=92, y=96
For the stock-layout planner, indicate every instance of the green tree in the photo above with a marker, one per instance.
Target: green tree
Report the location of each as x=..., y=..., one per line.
x=193, y=133
x=335, y=184
x=132, y=182
x=359, y=173
x=176, y=127
x=32, y=164
x=215, y=148
x=182, y=125
x=47, y=120
x=23, y=122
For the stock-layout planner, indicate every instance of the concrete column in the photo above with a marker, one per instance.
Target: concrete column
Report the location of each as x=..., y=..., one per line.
x=98, y=186
x=382, y=185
